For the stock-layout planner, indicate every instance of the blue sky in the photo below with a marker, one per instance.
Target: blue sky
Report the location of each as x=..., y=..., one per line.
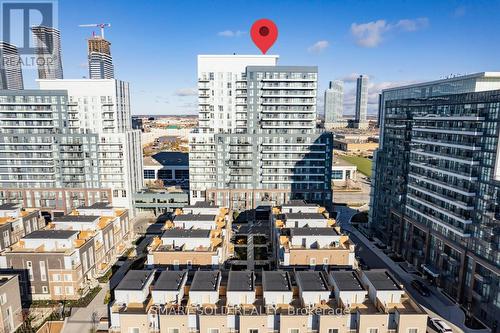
x=155, y=43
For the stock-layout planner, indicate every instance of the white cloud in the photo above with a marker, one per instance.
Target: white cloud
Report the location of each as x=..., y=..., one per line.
x=230, y=33
x=351, y=77
x=318, y=47
x=412, y=25
x=182, y=92
x=371, y=34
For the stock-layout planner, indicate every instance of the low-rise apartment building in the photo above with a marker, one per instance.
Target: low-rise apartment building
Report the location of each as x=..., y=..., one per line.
x=193, y=237
x=16, y=223
x=64, y=259
x=11, y=316
x=261, y=302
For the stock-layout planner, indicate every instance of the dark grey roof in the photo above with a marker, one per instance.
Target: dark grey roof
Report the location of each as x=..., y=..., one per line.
x=299, y=215
x=311, y=281
x=76, y=218
x=9, y=206
x=48, y=234
x=313, y=232
x=296, y=203
x=276, y=281
x=97, y=205
x=240, y=281
x=347, y=281
x=169, y=280
x=205, y=281
x=186, y=233
x=195, y=217
x=382, y=280
x=134, y=280
x=172, y=158
x=202, y=204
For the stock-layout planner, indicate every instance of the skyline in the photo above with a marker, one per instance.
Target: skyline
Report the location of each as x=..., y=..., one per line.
x=388, y=43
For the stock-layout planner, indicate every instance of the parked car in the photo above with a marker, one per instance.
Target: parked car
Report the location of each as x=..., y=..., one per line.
x=421, y=288
x=440, y=325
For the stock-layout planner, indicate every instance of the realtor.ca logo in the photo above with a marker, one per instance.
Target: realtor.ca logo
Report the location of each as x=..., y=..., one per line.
x=29, y=27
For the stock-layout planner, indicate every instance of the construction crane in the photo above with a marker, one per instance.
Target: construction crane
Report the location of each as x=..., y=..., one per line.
x=98, y=25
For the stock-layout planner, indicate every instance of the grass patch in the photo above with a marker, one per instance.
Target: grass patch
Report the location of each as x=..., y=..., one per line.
x=80, y=303
x=364, y=164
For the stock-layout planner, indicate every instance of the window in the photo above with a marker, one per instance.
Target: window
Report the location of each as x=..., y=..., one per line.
x=413, y=330
x=173, y=330
x=45, y=290
x=213, y=330
x=68, y=277
x=337, y=174
x=43, y=272
x=333, y=330
x=57, y=290
x=312, y=261
x=253, y=330
x=149, y=174
x=3, y=299
x=29, y=265
x=293, y=330
x=69, y=290
x=373, y=330
x=134, y=330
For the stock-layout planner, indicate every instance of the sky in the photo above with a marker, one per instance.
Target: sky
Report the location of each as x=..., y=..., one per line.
x=155, y=43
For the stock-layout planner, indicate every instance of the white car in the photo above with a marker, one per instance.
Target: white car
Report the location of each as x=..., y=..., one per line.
x=441, y=326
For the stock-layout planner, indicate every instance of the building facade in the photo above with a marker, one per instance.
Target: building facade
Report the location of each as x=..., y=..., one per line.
x=263, y=301
x=64, y=259
x=59, y=152
x=100, y=59
x=11, y=75
x=11, y=311
x=102, y=108
x=361, y=107
x=435, y=186
x=257, y=141
x=48, y=51
x=334, y=105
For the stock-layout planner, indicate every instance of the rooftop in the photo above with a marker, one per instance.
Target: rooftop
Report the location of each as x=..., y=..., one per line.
x=298, y=203
x=186, y=233
x=313, y=232
x=134, y=280
x=97, y=205
x=304, y=216
x=311, y=281
x=51, y=234
x=202, y=204
x=382, y=280
x=76, y=218
x=169, y=280
x=171, y=158
x=347, y=281
x=9, y=206
x=240, y=281
x=276, y=281
x=205, y=281
x=195, y=217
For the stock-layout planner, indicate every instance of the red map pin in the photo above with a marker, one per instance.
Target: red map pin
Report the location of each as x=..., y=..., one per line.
x=264, y=33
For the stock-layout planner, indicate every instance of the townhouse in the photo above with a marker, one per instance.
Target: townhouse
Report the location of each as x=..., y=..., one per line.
x=64, y=259
x=264, y=301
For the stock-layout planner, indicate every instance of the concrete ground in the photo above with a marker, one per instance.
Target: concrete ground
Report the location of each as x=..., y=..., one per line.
x=354, y=197
x=436, y=305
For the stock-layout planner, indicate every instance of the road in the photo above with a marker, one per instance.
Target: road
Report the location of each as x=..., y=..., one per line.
x=434, y=304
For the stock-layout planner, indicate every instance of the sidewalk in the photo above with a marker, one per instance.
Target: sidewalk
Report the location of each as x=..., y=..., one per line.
x=81, y=320
x=435, y=303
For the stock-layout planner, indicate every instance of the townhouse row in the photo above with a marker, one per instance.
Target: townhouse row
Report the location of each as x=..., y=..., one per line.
x=215, y=301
